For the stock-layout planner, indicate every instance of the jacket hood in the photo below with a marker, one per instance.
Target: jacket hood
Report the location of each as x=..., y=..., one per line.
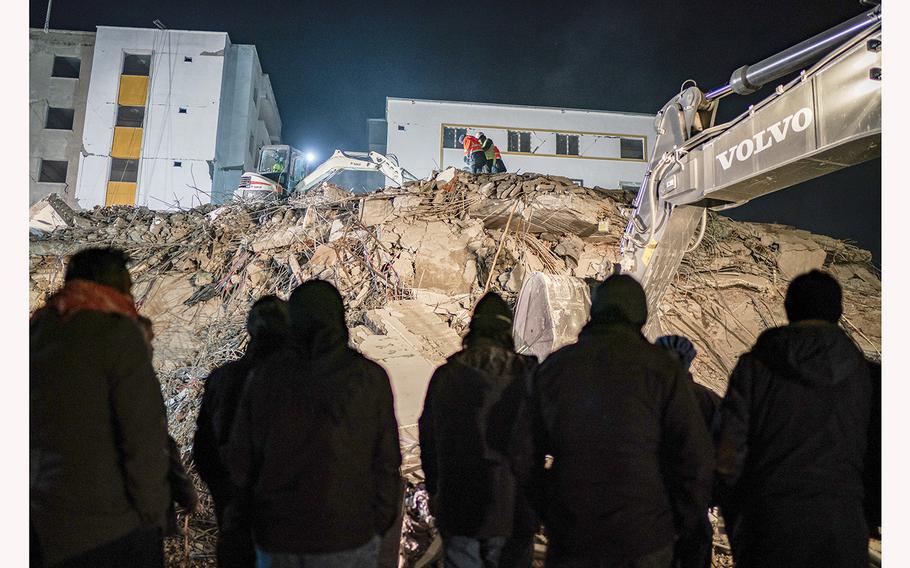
x=813, y=352
x=317, y=317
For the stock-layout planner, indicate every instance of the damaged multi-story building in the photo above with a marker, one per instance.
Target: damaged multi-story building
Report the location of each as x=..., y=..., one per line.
x=158, y=118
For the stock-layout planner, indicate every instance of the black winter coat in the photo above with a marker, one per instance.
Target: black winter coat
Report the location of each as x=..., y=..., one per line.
x=632, y=458
x=220, y=400
x=795, y=416
x=97, y=433
x=467, y=432
x=315, y=446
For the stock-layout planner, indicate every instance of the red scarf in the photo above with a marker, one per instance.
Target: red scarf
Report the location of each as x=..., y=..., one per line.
x=78, y=295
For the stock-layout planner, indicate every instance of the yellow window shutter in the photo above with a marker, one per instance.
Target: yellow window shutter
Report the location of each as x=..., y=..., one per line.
x=133, y=90
x=120, y=193
x=127, y=142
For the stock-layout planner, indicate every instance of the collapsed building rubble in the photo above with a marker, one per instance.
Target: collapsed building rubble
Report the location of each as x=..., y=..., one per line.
x=410, y=263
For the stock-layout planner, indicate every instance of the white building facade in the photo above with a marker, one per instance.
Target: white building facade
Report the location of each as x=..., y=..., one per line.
x=172, y=118
x=60, y=63
x=594, y=148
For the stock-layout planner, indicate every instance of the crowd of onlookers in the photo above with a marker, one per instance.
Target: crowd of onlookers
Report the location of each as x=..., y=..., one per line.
x=608, y=444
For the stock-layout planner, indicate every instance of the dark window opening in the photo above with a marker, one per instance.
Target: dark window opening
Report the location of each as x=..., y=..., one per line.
x=450, y=136
x=124, y=170
x=632, y=148
x=567, y=144
x=400, y=127
x=130, y=116
x=67, y=67
x=178, y=164
x=53, y=171
x=519, y=141
x=59, y=118
x=181, y=110
x=187, y=59
x=134, y=64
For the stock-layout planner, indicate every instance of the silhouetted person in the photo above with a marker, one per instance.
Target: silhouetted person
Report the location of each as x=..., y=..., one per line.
x=873, y=468
x=793, y=439
x=631, y=457
x=696, y=552
x=183, y=492
x=99, y=492
x=268, y=325
x=478, y=505
x=315, y=444
x=708, y=400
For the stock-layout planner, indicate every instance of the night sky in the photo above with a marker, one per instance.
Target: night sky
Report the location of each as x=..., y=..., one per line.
x=333, y=63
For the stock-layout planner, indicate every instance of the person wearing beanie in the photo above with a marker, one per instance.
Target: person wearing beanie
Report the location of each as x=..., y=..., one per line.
x=314, y=448
x=792, y=441
x=474, y=445
x=630, y=477
x=268, y=326
x=685, y=353
x=98, y=444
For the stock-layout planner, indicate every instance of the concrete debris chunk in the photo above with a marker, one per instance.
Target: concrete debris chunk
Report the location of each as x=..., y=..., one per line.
x=50, y=214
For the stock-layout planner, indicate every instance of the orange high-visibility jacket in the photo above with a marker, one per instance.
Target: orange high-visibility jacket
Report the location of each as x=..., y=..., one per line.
x=471, y=145
x=496, y=154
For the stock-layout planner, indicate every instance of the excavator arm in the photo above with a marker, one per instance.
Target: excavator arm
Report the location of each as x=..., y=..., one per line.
x=826, y=119
x=340, y=161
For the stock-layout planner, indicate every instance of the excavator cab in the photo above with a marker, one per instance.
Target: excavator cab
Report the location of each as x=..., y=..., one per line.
x=279, y=168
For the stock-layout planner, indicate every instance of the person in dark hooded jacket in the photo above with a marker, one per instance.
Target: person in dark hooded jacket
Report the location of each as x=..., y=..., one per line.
x=315, y=444
x=268, y=325
x=466, y=432
x=793, y=439
x=99, y=493
x=631, y=456
x=708, y=400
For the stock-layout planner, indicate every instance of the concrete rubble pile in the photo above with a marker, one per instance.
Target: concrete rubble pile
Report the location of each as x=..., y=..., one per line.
x=411, y=262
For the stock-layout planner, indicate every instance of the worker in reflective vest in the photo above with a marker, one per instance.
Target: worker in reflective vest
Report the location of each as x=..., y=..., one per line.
x=498, y=165
x=486, y=144
x=473, y=153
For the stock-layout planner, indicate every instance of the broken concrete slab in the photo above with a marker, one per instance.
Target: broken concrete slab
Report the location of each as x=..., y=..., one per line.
x=374, y=211
x=50, y=214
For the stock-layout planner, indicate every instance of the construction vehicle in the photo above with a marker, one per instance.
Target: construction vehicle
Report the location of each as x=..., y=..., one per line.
x=283, y=170
x=827, y=118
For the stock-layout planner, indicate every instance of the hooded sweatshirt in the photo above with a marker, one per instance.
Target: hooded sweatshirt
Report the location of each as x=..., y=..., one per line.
x=794, y=419
x=314, y=445
x=468, y=431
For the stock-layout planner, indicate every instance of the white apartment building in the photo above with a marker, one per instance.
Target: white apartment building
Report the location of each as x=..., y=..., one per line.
x=172, y=118
x=594, y=148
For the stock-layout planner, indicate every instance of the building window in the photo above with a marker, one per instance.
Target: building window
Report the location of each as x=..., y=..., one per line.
x=130, y=116
x=519, y=141
x=578, y=182
x=178, y=164
x=632, y=148
x=53, y=171
x=187, y=59
x=124, y=170
x=59, y=119
x=567, y=144
x=181, y=110
x=134, y=64
x=450, y=136
x=67, y=67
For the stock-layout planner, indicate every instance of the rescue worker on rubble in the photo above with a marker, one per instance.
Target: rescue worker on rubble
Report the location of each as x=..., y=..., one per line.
x=473, y=153
x=467, y=433
x=486, y=145
x=183, y=492
x=697, y=551
x=499, y=166
x=793, y=439
x=98, y=459
x=267, y=324
x=631, y=457
x=315, y=444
